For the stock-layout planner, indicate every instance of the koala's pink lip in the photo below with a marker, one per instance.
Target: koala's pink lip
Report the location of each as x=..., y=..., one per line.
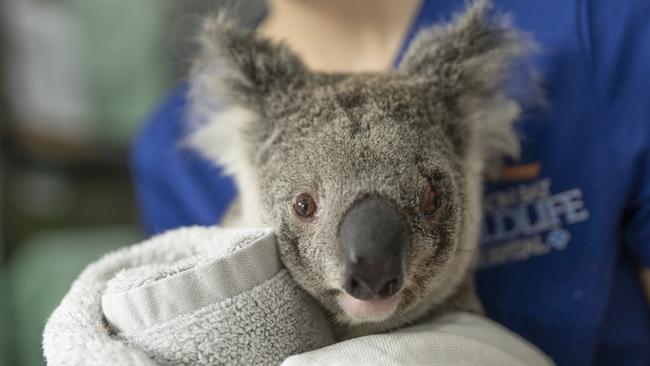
x=373, y=310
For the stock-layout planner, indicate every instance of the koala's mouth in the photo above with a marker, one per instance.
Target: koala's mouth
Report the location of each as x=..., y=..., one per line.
x=371, y=310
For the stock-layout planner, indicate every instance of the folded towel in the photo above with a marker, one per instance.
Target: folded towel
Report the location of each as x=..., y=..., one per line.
x=199, y=296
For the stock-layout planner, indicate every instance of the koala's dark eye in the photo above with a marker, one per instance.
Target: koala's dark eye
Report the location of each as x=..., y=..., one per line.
x=431, y=202
x=304, y=206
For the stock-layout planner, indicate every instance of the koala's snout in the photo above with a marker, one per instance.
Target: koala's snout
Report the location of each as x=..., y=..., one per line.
x=374, y=238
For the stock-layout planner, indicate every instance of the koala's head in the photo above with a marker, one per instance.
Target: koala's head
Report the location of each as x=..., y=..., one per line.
x=371, y=181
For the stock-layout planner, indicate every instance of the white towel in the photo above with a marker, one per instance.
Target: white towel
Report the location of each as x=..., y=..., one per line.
x=193, y=296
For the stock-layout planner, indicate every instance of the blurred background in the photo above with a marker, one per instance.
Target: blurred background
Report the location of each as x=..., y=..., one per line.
x=77, y=78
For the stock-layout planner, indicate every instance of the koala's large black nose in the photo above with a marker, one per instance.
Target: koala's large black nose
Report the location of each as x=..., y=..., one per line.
x=374, y=237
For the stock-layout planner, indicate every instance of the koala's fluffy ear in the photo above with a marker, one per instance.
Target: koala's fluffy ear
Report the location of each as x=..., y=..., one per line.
x=237, y=78
x=469, y=62
x=239, y=67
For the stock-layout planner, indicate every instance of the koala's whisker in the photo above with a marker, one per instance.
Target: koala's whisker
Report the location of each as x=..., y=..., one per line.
x=403, y=321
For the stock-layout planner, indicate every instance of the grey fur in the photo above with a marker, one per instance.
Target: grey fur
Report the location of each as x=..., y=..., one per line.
x=440, y=117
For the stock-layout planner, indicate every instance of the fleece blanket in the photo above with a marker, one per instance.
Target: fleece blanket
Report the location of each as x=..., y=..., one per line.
x=214, y=296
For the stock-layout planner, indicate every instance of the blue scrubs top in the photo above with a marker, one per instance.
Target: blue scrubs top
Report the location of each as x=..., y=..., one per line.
x=566, y=230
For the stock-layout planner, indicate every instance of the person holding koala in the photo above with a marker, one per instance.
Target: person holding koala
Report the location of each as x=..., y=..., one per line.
x=566, y=227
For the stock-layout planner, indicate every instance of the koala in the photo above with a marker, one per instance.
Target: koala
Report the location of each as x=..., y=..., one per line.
x=371, y=181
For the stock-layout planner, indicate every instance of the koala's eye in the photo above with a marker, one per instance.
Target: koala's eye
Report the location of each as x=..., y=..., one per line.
x=304, y=206
x=431, y=202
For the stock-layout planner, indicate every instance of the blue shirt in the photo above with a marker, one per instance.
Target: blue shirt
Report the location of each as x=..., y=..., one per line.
x=567, y=228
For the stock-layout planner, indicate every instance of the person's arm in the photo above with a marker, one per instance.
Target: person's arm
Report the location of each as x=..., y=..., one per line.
x=174, y=185
x=618, y=43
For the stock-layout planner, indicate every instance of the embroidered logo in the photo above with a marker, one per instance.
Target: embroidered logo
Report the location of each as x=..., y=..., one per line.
x=527, y=220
